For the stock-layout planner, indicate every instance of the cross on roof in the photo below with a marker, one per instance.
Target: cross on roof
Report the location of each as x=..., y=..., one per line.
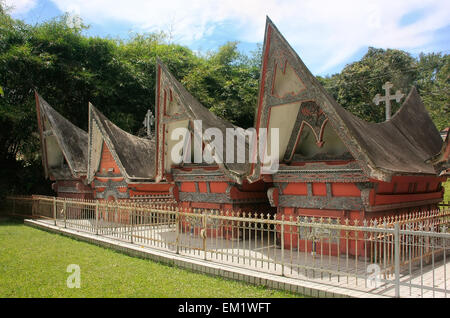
x=387, y=99
x=149, y=122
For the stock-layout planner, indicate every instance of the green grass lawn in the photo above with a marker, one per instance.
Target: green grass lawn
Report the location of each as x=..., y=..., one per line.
x=33, y=263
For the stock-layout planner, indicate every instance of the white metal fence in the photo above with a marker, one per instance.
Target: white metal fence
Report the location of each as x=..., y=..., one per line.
x=402, y=256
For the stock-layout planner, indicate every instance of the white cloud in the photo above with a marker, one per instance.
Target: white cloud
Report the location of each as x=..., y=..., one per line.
x=20, y=6
x=325, y=33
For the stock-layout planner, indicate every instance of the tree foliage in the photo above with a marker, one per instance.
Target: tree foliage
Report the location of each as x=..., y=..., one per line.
x=226, y=82
x=70, y=69
x=359, y=82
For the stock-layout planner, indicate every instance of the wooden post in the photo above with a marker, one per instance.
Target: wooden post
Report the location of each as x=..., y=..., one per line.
x=54, y=209
x=177, y=222
x=131, y=221
x=96, y=217
x=397, y=258
x=65, y=213
x=33, y=209
x=203, y=233
x=282, y=245
x=106, y=216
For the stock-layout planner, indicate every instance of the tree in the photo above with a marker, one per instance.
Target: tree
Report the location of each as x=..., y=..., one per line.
x=227, y=82
x=433, y=83
x=359, y=82
x=70, y=69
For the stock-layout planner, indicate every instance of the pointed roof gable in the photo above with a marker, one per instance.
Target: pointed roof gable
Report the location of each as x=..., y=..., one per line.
x=134, y=155
x=441, y=161
x=60, y=139
x=174, y=103
x=382, y=150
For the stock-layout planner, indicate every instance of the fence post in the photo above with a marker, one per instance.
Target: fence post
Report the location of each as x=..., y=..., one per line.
x=65, y=213
x=204, y=230
x=177, y=222
x=106, y=216
x=282, y=245
x=397, y=258
x=131, y=221
x=14, y=206
x=54, y=209
x=32, y=207
x=96, y=217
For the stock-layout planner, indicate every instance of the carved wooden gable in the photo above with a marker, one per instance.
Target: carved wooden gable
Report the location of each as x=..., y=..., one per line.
x=64, y=146
x=289, y=101
x=103, y=160
x=177, y=108
x=170, y=115
x=314, y=127
x=134, y=156
x=53, y=153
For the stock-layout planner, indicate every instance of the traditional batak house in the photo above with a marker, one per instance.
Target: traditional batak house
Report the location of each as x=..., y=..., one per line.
x=219, y=185
x=64, y=152
x=121, y=166
x=333, y=164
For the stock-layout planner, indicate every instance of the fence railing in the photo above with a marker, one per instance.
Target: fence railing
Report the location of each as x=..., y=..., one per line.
x=397, y=256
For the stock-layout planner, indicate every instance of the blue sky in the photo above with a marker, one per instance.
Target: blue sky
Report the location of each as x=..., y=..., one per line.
x=327, y=34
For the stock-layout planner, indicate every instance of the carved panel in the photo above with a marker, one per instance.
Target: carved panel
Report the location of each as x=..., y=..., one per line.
x=110, y=184
x=326, y=203
x=214, y=198
x=198, y=175
x=112, y=193
x=309, y=115
x=321, y=172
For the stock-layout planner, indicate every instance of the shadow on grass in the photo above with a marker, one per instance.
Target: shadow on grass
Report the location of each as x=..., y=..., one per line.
x=8, y=220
